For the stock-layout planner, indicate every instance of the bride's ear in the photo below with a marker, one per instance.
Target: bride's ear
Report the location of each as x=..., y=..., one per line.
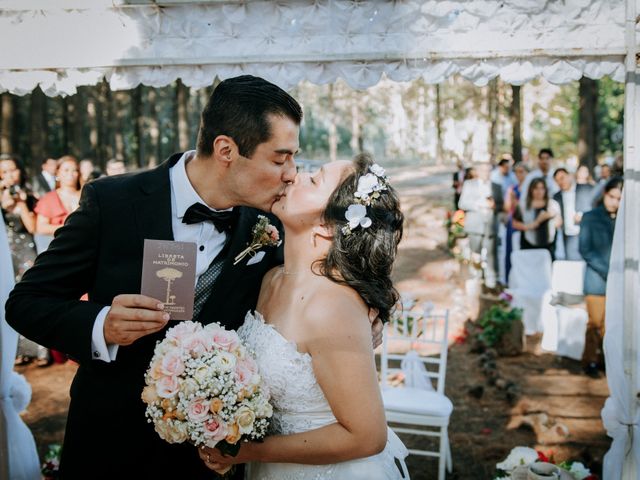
x=323, y=231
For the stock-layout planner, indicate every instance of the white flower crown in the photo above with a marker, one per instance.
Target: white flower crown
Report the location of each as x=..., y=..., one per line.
x=369, y=187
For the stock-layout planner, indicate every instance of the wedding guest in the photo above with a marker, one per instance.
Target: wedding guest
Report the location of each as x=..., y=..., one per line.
x=605, y=173
x=482, y=201
x=54, y=208
x=538, y=218
x=503, y=175
x=583, y=176
x=45, y=181
x=545, y=159
x=617, y=169
x=596, y=237
x=574, y=200
x=458, y=180
x=511, y=200
x=88, y=171
x=115, y=167
x=18, y=203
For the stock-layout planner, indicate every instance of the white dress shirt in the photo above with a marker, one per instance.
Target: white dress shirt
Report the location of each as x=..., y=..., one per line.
x=569, y=212
x=208, y=240
x=51, y=179
x=552, y=186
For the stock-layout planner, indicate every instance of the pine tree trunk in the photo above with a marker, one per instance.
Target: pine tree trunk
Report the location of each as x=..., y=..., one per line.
x=588, y=123
x=492, y=106
x=516, y=123
x=439, y=144
x=356, y=135
x=64, y=102
x=138, y=130
x=333, y=130
x=154, y=155
x=6, y=142
x=182, y=115
x=38, y=127
x=120, y=99
x=92, y=123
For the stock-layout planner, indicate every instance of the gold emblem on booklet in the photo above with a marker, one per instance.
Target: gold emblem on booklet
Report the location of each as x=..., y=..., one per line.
x=169, y=275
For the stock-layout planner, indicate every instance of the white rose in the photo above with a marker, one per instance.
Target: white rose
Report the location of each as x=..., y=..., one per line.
x=225, y=361
x=202, y=375
x=579, y=471
x=245, y=418
x=377, y=170
x=367, y=183
x=518, y=456
x=178, y=433
x=189, y=387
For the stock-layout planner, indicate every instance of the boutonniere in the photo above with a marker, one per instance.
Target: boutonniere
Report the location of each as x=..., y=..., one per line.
x=264, y=235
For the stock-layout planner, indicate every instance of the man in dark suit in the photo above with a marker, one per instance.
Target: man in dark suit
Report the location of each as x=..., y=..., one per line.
x=45, y=181
x=482, y=200
x=574, y=200
x=247, y=139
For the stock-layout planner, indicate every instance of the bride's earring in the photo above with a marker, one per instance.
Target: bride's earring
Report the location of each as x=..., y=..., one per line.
x=313, y=239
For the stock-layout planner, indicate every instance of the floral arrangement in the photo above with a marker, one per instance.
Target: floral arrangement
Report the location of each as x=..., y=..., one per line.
x=368, y=191
x=497, y=321
x=264, y=235
x=524, y=456
x=203, y=387
x=51, y=467
x=455, y=227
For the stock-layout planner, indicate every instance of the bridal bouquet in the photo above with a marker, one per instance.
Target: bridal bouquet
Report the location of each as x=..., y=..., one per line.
x=203, y=386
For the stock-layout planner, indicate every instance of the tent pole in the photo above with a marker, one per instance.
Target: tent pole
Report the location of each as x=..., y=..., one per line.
x=632, y=206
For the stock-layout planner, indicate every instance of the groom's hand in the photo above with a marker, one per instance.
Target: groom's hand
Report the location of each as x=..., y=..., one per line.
x=376, y=327
x=132, y=317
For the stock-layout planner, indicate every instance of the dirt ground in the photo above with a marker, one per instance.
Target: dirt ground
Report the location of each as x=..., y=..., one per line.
x=556, y=409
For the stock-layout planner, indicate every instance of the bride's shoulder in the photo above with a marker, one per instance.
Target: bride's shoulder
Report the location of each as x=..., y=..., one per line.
x=335, y=307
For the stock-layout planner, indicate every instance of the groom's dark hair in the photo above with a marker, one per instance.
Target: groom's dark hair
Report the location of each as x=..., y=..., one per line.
x=239, y=108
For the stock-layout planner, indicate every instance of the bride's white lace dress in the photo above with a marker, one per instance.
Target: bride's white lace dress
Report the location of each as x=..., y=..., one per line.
x=299, y=405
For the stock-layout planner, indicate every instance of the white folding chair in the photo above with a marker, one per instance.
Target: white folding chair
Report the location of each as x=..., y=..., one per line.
x=530, y=285
x=565, y=326
x=421, y=407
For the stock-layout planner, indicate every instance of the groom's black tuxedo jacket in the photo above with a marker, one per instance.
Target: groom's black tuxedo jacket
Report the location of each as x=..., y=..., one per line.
x=99, y=251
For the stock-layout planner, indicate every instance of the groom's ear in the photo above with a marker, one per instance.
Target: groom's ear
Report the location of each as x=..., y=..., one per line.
x=224, y=148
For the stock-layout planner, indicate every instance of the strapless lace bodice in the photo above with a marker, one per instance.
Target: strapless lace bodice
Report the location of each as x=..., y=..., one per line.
x=298, y=402
x=299, y=405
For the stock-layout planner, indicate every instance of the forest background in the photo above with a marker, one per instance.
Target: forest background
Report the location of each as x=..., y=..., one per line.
x=401, y=123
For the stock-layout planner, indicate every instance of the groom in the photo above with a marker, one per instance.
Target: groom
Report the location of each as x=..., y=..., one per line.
x=247, y=139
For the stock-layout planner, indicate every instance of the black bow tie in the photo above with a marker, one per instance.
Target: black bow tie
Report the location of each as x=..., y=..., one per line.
x=223, y=221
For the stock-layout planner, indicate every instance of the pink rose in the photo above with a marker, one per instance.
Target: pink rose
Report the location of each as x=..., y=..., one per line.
x=196, y=343
x=167, y=387
x=198, y=410
x=225, y=340
x=214, y=431
x=182, y=330
x=172, y=364
x=273, y=233
x=246, y=371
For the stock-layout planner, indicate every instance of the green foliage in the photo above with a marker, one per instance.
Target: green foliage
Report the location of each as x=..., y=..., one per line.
x=610, y=115
x=497, y=321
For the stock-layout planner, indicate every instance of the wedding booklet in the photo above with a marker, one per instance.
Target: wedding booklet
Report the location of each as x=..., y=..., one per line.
x=169, y=274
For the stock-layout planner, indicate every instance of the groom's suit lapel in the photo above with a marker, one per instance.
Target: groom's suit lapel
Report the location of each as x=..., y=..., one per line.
x=153, y=212
x=230, y=273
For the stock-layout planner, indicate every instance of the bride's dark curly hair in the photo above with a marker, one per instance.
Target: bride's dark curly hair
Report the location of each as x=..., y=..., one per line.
x=363, y=259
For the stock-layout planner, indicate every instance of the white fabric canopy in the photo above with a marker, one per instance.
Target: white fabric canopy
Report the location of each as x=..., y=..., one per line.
x=61, y=44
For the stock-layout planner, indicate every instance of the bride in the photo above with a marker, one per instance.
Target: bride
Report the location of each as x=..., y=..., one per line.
x=311, y=331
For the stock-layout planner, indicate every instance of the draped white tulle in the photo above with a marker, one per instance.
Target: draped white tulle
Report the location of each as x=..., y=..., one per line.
x=299, y=405
x=15, y=392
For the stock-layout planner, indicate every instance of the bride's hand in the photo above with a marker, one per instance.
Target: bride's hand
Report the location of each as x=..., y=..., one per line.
x=207, y=455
